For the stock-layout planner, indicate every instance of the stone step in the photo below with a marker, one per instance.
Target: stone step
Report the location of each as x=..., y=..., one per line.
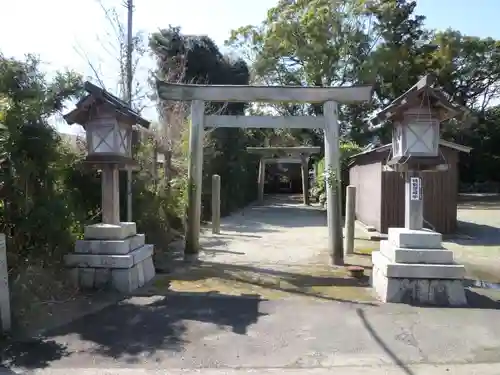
x=109, y=260
x=410, y=238
x=110, y=247
x=424, y=256
x=109, y=231
x=416, y=271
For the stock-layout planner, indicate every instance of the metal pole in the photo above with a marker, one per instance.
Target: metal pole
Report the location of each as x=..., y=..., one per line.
x=216, y=204
x=350, y=213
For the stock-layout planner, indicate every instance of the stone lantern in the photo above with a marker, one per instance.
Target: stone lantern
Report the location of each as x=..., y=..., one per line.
x=412, y=265
x=111, y=254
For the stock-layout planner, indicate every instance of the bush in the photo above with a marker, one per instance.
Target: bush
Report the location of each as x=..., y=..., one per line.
x=318, y=190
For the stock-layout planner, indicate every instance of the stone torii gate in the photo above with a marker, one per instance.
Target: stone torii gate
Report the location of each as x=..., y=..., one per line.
x=289, y=155
x=328, y=96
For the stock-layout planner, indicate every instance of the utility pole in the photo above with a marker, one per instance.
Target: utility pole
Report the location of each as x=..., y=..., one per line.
x=129, y=79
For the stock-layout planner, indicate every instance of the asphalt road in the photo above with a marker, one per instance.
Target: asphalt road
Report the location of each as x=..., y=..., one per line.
x=194, y=332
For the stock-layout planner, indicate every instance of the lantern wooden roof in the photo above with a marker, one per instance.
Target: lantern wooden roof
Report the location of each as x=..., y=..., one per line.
x=98, y=97
x=419, y=93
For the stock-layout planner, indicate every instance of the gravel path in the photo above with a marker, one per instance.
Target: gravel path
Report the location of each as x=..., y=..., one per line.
x=282, y=232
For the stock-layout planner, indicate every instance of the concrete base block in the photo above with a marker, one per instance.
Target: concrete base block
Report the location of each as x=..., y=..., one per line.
x=109, y=261
x=124, y=280
x=109, y=231
x=149, y=269
x=417, y=239
x=437, y=292
x=117, y=247
x=112, y=257
x=423, y=256
x=416, y=271
x=127, y=280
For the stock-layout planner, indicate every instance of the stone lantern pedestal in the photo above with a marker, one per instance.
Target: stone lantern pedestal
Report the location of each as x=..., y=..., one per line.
x=112, y=254
x=111, y=257
x=412, y=267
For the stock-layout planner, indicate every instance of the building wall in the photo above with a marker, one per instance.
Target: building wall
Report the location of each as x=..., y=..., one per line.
x=380, y=194
x=440, y=190
x=366, y=178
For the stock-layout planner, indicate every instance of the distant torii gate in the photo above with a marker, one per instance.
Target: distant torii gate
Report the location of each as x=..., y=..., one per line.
x=329, y=96
x=291, y=155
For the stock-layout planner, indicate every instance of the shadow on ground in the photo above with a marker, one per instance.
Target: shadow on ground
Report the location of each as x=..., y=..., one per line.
x=475, y=234
x=136, y=328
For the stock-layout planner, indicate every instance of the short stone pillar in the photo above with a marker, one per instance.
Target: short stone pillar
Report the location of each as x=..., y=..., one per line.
x=112, y=254
x=412, y=267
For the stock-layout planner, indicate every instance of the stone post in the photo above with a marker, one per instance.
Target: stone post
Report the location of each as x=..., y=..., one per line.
x=216, y=204
x=414, y=200
x=5, y=314
x=262, y=179
x=305, y=179
x=350, y=216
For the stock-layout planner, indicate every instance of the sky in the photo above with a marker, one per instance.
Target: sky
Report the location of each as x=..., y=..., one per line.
x=68, y=33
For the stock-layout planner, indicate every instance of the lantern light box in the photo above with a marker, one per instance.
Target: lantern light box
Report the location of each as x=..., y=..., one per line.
x=416, y=116
x=109, y=123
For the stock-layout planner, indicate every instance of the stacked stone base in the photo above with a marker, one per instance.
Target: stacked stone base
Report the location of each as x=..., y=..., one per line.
x=412, y=267
x=112, y=257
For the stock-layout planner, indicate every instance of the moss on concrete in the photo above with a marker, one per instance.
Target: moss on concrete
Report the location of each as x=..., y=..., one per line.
x=312, y=281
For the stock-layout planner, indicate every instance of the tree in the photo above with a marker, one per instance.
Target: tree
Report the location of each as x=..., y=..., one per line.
x=468, y=68
x=196, y=59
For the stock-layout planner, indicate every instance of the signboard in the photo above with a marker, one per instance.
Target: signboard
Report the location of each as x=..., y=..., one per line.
x=415, y=188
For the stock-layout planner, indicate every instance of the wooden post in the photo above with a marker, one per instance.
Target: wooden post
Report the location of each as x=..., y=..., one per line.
x=414, y=201
x=332, y=169
x=216, y=204
x=262, y=179
x=350, y=216
x=110, y=195
x=195, y=166
x=5, y=314
x=305, y=179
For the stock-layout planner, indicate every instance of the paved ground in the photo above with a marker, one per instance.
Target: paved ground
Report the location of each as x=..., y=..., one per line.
x=479, y=246
x=273, y=310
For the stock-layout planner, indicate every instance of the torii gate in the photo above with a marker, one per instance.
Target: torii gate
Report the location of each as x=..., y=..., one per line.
x=329, y=96
x=291, y=155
